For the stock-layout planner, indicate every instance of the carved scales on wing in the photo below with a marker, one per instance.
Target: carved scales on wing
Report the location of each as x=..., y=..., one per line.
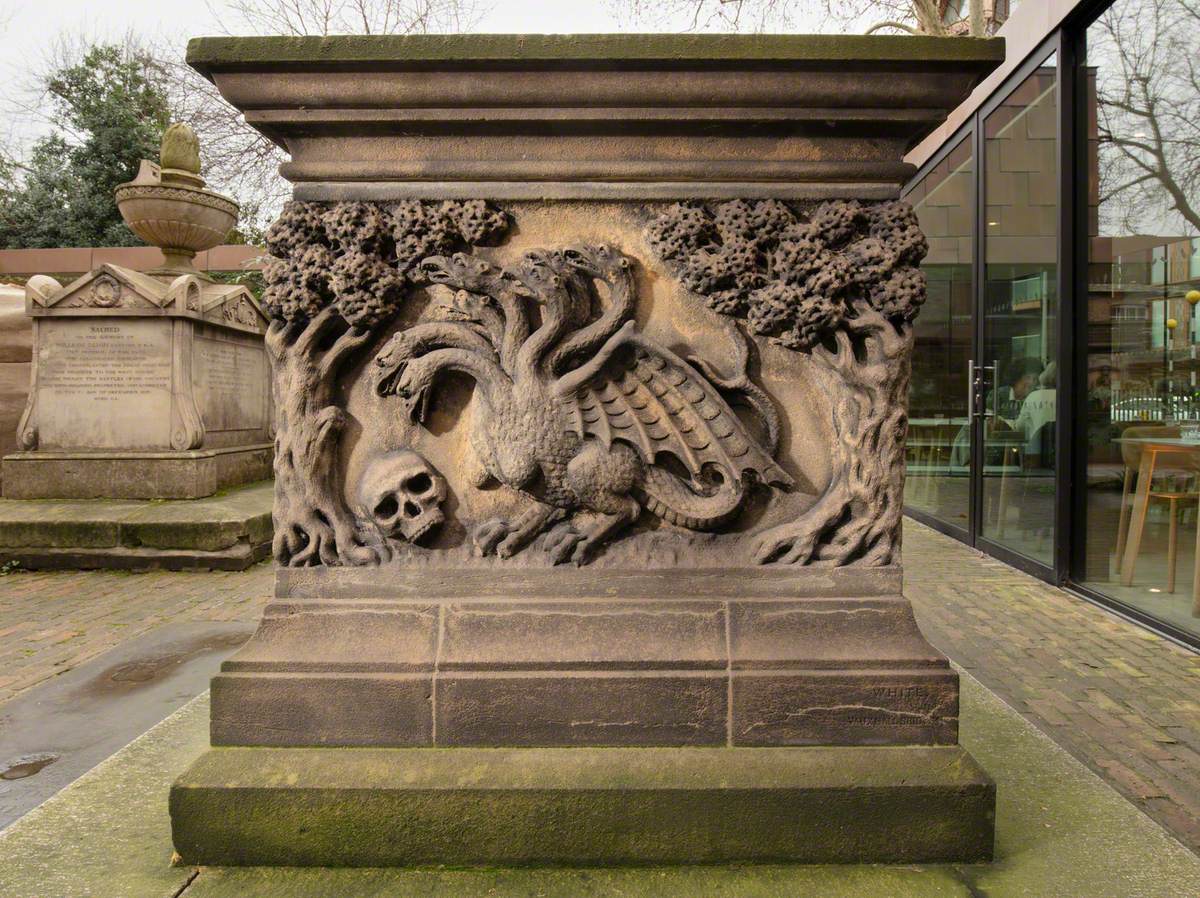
x=648, y=397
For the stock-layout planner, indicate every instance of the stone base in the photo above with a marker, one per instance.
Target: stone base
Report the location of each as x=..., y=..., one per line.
x=116, y=474
x=227, y=532
x=585, y=806
x=539, y=657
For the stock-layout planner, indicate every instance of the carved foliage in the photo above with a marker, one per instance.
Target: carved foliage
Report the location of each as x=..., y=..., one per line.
x=795, y=278
x=361, y=256
x=105, y=292
x=338, y=272
x=841, y=284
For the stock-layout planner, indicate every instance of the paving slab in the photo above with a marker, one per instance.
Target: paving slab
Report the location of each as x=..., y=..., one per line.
x=52, y=622
x=1061, y=832
x=71, y=722
x=1123, y=700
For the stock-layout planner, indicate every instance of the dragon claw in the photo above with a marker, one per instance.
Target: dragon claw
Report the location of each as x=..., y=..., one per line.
x=490, y=537
x=564, y=543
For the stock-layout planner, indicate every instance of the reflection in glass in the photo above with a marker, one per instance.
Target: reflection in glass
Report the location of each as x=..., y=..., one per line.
x=1020, y=317
x=1143, y=400
x=938, y=447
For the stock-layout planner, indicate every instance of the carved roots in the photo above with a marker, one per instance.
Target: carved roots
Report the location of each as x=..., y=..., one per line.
x=312, y=523
x=857, y=519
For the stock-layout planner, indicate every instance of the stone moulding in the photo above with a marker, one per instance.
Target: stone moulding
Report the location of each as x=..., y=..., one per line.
x=591, y=358
x=622, y=117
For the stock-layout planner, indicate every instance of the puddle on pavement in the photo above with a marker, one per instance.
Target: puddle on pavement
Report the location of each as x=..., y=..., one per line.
x=26, y=765
x=140, y=671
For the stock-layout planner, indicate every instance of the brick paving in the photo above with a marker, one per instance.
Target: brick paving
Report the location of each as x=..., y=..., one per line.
x=52, y=621
x=1121, y=700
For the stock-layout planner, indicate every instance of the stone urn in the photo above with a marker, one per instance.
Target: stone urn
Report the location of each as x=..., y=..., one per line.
x=167, y=206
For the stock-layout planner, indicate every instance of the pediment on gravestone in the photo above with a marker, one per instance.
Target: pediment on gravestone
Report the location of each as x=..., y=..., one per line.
x=107, y=287
x=231, y=305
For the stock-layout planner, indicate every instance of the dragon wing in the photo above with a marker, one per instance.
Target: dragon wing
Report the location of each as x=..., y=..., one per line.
x=642, y=394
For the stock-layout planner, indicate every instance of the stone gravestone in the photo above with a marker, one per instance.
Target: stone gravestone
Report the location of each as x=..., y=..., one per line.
x=147, y=385
x=591, y=357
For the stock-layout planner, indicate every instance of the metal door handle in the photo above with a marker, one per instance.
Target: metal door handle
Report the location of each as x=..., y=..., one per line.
x=976, y=397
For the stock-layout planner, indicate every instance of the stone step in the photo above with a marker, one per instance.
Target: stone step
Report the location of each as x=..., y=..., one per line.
x=228, y=531
x=587, y=806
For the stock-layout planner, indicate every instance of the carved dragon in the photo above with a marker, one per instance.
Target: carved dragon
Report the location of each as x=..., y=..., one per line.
x=582, y=414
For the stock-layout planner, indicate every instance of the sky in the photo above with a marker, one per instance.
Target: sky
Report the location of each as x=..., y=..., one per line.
x=29, y=30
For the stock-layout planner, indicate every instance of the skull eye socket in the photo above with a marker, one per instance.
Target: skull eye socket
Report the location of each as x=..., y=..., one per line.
x=418, y=483
x=387, y=507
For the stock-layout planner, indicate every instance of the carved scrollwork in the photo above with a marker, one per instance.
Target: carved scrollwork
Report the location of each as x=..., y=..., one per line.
x=240, y=311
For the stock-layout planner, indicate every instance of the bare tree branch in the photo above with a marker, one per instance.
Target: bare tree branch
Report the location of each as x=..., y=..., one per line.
x=911, y=16
x=238, y=159
x=1147, y=117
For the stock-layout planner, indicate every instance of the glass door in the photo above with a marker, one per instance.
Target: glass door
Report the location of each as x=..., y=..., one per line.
x=939, y=432
x=1017, y=377
x=982, y=447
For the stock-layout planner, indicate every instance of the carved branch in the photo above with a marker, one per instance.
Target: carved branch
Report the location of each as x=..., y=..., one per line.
x=857, y=519
x=312, y=523
x=339, y=276
x=841, y=285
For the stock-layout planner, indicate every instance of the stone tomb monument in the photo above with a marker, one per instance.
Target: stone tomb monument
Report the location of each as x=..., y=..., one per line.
x=147, y=385
x=591, y=356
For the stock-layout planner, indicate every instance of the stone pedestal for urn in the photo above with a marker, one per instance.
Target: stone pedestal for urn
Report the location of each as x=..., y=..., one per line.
x=591, y=356
x=147, y=385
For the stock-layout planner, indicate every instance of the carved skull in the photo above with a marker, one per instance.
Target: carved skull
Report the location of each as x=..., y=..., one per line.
x=402, y=494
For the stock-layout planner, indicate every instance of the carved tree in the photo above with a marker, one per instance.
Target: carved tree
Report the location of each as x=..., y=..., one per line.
x=842, y=285
x=339, y=273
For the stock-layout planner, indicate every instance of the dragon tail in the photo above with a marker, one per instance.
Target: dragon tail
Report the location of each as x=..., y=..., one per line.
x=677, y=502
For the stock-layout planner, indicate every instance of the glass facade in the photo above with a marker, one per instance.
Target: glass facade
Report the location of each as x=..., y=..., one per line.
x=1020, y=317
x=938, y=449
x=1143, y=261
x=1055, y=405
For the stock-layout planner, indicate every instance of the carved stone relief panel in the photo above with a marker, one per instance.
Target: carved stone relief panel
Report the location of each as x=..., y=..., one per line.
x=591, y=383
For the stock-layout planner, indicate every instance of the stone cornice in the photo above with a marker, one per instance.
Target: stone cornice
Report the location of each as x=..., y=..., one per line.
x=622, y=117
x=210, y=54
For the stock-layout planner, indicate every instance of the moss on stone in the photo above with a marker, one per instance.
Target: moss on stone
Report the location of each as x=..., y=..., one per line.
x=532, y=806
x=210, y=53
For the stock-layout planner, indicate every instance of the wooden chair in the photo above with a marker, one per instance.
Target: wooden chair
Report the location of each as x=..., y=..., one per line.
x=1168, y=464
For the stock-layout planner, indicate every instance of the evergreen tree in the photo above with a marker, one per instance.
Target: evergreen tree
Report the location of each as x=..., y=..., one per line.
x=110, y=109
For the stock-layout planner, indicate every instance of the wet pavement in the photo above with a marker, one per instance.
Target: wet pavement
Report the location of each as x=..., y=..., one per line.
x=57, y=731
